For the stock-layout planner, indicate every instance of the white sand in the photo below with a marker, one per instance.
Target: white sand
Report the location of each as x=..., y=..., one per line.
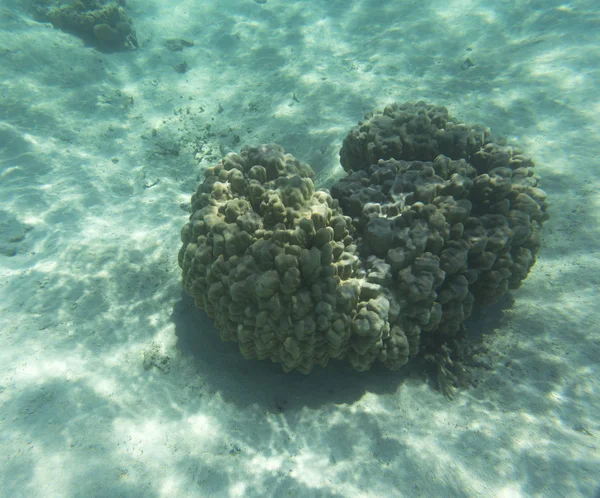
x=90, y=293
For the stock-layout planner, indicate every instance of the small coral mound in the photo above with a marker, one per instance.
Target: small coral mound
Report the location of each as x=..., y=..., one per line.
x=100, y=23
x=433, y=218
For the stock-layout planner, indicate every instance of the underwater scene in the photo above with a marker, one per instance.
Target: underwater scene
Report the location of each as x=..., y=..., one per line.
x=268, y=248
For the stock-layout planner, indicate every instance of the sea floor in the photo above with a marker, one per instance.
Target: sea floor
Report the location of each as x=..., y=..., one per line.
x=113, y=384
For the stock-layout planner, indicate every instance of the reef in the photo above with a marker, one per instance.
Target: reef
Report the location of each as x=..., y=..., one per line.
x=102, y=24
x=434, y=217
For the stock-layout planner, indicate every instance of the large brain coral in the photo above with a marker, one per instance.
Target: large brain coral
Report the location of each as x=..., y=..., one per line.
x=274, y=263
x=433, y=218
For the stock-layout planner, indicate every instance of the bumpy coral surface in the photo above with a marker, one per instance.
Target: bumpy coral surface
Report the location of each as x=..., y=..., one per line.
x=389, y=264
x=275, y=264
x=411, y=132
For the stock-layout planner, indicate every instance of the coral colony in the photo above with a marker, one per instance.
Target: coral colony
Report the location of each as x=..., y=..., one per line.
x=433, y=218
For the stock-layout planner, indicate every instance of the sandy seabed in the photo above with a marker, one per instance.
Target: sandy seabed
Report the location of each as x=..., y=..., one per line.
x=113, y=384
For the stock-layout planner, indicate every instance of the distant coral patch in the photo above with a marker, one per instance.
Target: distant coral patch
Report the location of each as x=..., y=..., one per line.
x=102, y=24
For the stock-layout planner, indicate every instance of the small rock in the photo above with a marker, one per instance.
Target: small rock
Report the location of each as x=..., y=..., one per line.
x=468, y=63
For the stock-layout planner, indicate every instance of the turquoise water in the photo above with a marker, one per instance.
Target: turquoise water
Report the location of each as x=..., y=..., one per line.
x=112, y=383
